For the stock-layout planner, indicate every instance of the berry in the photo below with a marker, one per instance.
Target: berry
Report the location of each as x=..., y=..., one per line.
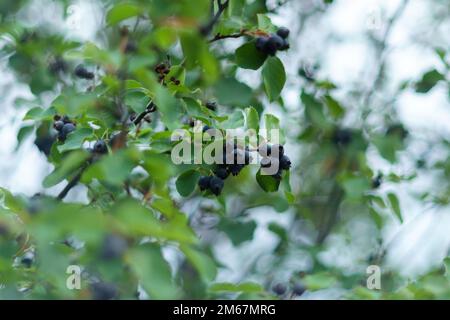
x=283, y=32
x=216, y=185
x=211, y=105
x=277, y=40
x=203, y=183
x=279, y=289
x=222, y=173
x=285, y=163
x=100, y=147
x=113, y=247
x=103, y=291
x=206, y=128
x=342, y=137
x=58, y=125
x=83, y=73
x=376, y=182
x=285, y=45
x=298, y=288
x=57, y=65
x=68, y=128
x=261, y=43
x=272, y=45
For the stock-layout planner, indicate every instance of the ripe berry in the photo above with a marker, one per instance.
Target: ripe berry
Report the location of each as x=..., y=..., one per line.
x=261, y=43
x=113, y=247
x=285, y=163
x=68, y=128
x=58, y=125
x=211, y=105
x=298, y=288
x=342, y=137
x=206, y=128
x=83, y=73
x=272, y=45
x=103, y=291
x=285, y=45
x=277, y=40
x=216, y=185
x=203, y=183
x=279, y=289
x=100, y=147
x=222, y=173
x=283, y=32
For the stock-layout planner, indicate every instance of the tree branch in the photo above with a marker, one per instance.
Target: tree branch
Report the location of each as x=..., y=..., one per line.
x=150, y=108
x=219, y=36
x=206, y=29
x=73, y=182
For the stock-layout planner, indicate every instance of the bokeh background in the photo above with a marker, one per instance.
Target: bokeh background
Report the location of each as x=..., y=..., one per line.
x=372, y=50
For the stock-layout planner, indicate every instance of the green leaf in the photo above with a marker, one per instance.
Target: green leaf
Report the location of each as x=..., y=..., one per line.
x=267, y=183
x=238, y=232
x=75, y=140
x=71, y=163
x=395, y=205
x=252, y=119
x=248, y=57
x=265, y=24
x=153, y=272
x=247, y=287
x=429, y=80
x=186, y=182
x=204, y=264
x=274, y=77
x=23, y=133
x=121, y=12
x=169, y=107
x=319, y=281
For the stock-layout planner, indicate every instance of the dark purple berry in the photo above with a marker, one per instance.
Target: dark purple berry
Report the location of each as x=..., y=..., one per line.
x=100, y=147
x=203, y=183
x=216, y=185
x=279, y=289
x=113, y=247
x=261, y=43
x=103, y=291
x=283, y=32
x=298, y=288
x=285, y=163
x=68, y=128
x=58, y=125
x=83, y=73
x=222, y=173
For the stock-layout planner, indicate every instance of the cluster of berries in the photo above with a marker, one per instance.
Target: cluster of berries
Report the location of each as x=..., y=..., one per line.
x=83, y=73
x=234, y=160
x=64, y=126
x=274, y=42
x=162, y=70
x=281, y=289
x=274, y=159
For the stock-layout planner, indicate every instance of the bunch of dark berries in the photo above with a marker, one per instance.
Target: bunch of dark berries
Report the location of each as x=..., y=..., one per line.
x=296, y=289
x=274, y=42
x=234, y=160
x=83, y=73
x=64, y=126
x=274, y=159
x=162, y=70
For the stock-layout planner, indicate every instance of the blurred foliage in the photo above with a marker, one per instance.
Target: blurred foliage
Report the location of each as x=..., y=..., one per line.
x=142, y=210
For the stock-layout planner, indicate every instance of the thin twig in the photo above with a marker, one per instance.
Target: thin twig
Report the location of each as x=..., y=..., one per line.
x=150, y=108
x=73, y=182
x=221, y=7
x=219, y=36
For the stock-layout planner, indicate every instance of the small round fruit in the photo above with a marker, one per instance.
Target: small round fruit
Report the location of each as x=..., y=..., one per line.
x=271, y=46
x=216, y=185
x=203, y=182
x=68, y=128
x=298, y=288
x=113, y=247
x=279, y=289
x=261, y=43
x=283, y=32
x=277, y=40
x=222, y=173
x=285, y=163
x=100, y=147
x=58, y=125
x=103, y=291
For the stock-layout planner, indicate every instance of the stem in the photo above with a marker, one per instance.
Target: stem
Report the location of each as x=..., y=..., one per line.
x=72, y=183
x=206, y=29
x=150, y=108
x=219, y=36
